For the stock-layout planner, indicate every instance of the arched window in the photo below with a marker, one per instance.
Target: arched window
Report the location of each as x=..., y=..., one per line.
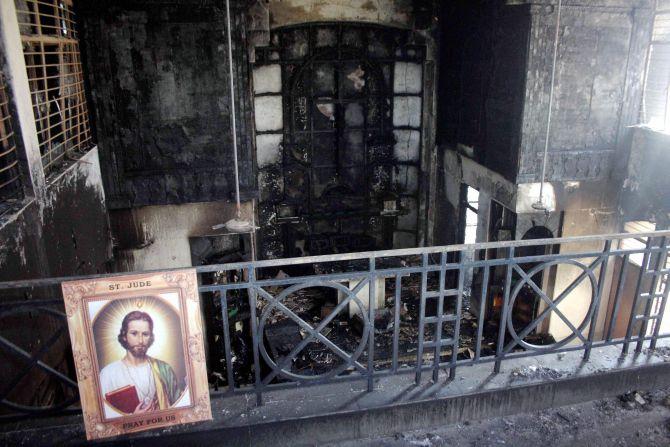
x=350, y=137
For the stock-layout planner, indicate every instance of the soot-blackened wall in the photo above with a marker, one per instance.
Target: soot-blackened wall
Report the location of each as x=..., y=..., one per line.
x=160, y=87
x=482, y=69
x=599, y=76
x=495, y=82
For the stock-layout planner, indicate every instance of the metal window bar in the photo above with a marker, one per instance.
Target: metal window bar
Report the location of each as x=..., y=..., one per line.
x=10, y=179
x=55, y=76
x=267, y=294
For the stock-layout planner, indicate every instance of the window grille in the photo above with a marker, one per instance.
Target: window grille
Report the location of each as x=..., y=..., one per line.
x=51, y=50
x=10, y=182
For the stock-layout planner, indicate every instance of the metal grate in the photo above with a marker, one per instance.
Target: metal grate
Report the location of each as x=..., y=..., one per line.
x=10, y=182
x=51, y=51
x=348, y=171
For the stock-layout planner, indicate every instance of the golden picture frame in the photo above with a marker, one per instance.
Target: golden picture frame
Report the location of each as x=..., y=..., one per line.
x=137, y=342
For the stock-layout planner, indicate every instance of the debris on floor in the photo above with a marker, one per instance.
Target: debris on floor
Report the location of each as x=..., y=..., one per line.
x=314, y=305
x=635, y=399
x=534, y=372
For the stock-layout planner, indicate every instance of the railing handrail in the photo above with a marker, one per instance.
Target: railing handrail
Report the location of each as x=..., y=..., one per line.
x=349, y=257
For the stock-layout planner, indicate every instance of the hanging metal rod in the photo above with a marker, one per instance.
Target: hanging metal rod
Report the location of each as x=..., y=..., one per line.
x=540, y=205
x=232, y=111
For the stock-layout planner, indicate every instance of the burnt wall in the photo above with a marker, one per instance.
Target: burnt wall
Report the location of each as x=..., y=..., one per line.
x=599, y=75
x=481, y=81
x=158, y=72
x=396, y=13
x=645, y=189
x=67, y=236
x=495, y=82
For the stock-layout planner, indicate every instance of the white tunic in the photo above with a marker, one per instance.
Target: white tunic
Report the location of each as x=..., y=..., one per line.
x=118, y=374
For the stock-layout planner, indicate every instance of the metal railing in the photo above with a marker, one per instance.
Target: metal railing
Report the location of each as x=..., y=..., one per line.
x=362, y=316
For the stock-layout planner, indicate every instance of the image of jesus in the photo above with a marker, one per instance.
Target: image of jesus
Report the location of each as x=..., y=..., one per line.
x=155, y=382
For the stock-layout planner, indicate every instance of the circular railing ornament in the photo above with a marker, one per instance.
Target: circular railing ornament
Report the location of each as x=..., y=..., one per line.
x=33, y=360
x=350, y=359
x=537, y=320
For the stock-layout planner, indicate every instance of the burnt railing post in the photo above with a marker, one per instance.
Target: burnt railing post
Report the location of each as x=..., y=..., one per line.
x=372, y=302
x=422, y=316
x=437, y=350
x=509, y=262
x=256, y=337
x=652, y=295
x=226, y=339
x=457, y=317
x=482, y=310
x=621, y=283
x=659, y=273
x=396, y=321
x=638, y=288
x=598, y=296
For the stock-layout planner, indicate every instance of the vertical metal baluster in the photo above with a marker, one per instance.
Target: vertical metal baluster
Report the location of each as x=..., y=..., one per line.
x=482, y=309
x=598, y=296
x=226, y=340
x=621, y=283
x=422, y=312
x=660, y=263
x=457, y=322
x=396, y=321
x=636, y=298
x=650, y=299
x=664, y=301
x=440, y=312
x=254, y=330
x=371, y=313
x=503, y=311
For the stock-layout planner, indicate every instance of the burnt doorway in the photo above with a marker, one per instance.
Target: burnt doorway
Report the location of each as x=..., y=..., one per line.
x=344, y=179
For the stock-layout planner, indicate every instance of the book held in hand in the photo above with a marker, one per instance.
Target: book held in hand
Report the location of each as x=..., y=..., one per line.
x=124, y=399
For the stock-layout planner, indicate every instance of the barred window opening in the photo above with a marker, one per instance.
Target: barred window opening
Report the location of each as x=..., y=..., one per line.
x=51, y=51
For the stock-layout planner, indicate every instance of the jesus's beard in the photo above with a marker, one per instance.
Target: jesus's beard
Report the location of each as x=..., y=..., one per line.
x=139, y=351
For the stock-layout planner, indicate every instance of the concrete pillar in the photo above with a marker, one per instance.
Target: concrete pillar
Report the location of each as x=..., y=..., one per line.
x=14, y=68
x=364, y=295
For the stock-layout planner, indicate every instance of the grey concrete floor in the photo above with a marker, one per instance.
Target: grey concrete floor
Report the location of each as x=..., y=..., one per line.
x=619, y=421
x=345, y=410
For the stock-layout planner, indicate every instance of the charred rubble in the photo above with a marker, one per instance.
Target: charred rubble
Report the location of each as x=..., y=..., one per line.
x=282, y=334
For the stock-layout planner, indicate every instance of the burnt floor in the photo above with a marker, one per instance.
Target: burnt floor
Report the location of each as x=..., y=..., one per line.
x=631, y=419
